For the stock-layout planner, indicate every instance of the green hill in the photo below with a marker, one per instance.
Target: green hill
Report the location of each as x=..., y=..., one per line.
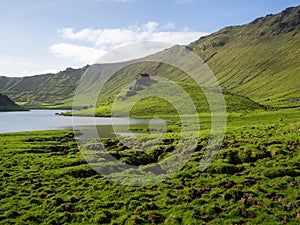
x=259, y=60
x=49, y=90
x=6, y=104
x=118, y=92
x=256, y=64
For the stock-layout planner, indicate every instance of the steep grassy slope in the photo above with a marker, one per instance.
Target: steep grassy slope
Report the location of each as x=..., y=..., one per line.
x=6, y=104
x=259, y=60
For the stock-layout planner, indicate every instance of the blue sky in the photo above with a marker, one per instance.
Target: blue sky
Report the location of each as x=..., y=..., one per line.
x=40, y=36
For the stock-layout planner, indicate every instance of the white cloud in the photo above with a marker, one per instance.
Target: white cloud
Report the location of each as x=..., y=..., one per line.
x=105, y=40
x=133, y=51
x=77, y=53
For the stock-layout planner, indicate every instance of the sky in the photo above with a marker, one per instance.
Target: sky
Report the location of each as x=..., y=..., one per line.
x=43, y=36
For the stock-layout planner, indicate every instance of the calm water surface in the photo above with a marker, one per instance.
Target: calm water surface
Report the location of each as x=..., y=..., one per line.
x=48, y=120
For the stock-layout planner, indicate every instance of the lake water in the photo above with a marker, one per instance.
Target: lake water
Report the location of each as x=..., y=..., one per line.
x=48, y=120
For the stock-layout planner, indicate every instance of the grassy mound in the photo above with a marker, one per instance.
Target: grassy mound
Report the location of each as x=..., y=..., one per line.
x=6, y=104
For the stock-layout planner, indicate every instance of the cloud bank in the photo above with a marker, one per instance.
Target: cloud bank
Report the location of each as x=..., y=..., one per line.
x=90, y=44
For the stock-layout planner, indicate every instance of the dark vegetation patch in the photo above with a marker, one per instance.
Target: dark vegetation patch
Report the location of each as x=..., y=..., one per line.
x=6, y=104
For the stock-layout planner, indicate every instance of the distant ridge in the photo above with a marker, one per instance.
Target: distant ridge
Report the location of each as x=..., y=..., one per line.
x=258, y=60
x=47, y=90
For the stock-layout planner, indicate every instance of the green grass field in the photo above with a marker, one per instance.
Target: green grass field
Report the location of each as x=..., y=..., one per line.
x=254, y=180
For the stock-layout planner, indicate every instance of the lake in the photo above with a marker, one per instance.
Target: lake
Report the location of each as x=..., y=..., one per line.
x=48, y=120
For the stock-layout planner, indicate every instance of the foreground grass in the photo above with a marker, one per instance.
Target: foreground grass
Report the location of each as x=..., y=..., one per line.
x=254, y=180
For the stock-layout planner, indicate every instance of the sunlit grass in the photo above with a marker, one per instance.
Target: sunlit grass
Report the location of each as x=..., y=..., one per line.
x=255, y=178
